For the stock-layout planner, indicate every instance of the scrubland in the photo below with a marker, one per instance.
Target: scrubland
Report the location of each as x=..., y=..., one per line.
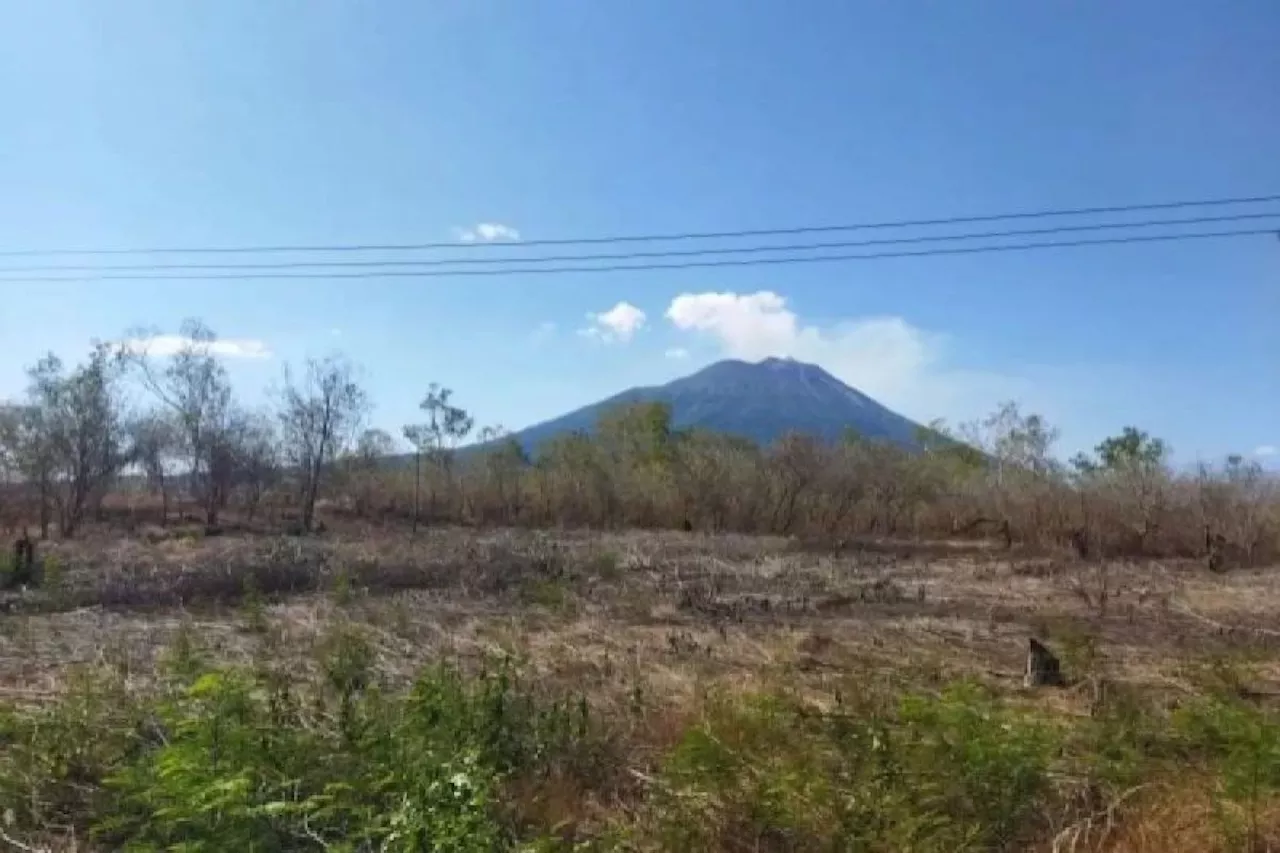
x=465, y=689
x=252, y=630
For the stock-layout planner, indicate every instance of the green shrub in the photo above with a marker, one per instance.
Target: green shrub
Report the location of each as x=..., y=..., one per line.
x=1241, y=744
x=553, y=594
x=948, y=773
x=233, y=758
x=252, y=758
x=253, y=606
x=341, y=588
x=1126, y=741
x=53, y=759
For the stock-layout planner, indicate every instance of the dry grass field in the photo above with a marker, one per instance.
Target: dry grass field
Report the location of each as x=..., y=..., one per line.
x=664, y=635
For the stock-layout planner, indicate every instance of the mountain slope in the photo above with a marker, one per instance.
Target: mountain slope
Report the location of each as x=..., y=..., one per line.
x=759, y=401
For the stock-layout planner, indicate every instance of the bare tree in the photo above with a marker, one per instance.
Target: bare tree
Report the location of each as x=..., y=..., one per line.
x=796, y=460
x=504, y=461
x=79, y=416
x=155, y=440
x=195, y=386
x=257, y=451
x=10, y=478
x=437, y=438
x=372, y=449
x=1021, y=467
x=319, y=414
x=30, y=454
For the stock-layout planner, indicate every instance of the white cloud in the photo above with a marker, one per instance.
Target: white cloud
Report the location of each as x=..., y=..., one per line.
x=1266, y=450
x=677, y=353
x=619, y=324
x=749, y=326
x=545, y=331
x=886, y=357
x=487, y=232
x=165, y=345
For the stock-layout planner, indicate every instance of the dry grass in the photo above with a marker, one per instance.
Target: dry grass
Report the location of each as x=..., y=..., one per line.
x=678, y=608
x=656, y=618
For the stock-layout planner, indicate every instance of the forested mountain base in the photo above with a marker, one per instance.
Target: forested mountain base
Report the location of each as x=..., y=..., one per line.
x=142, y=435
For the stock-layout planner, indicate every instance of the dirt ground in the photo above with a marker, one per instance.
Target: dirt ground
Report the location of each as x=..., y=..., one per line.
x=670, y=614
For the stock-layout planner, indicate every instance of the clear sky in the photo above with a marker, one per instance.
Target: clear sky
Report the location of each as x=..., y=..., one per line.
x=264, y=121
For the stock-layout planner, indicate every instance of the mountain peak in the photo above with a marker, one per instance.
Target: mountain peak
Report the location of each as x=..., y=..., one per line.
x=769, y=366
x=760, y=400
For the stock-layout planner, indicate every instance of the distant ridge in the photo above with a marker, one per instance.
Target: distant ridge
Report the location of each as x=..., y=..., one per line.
x=761, y=401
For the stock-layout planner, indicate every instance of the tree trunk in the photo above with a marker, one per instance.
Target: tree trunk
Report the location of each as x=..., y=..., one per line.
x=417, y=486
x=45, y=513
x=309, y=501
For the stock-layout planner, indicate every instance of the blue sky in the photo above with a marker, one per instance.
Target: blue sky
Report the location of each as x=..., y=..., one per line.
x=245, y=122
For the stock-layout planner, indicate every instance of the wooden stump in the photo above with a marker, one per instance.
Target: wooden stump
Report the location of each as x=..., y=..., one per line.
x=24, y=561
x=1043, y=669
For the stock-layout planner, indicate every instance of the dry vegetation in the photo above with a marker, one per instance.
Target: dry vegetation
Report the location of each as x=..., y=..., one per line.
x=668, y=636
x=234, y=639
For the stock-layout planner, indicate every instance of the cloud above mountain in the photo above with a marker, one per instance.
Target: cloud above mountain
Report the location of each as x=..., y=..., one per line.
x=897, y=363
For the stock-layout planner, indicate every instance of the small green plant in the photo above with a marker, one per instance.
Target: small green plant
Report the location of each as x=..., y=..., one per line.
x=51, y=571
x=551, y=594
x=51, y=577
x=341, y=587
x=401, y=619
x=346, y=658
x=1225, y=676
x=607, y=565
x=182, y=660
x=1079, y=649
x=253, y=606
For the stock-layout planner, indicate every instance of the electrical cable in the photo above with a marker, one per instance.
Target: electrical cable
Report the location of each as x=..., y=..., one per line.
x=637, y=238
x=627, y=256
x=741, y=262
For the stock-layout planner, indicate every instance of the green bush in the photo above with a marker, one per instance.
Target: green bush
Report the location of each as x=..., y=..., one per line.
x=246, y=759
x=53, y=758
x=242, y=766
x=253, y=758
x=1241, y=744
x=947, y=773
x=1126, y=741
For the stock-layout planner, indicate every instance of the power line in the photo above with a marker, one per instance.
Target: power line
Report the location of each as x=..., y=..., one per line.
x=644, y=238
x=627, y=256
x=742, y=262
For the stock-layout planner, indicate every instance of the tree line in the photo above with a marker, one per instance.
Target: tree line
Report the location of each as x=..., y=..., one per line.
x=79, y=435
x=78, y=432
